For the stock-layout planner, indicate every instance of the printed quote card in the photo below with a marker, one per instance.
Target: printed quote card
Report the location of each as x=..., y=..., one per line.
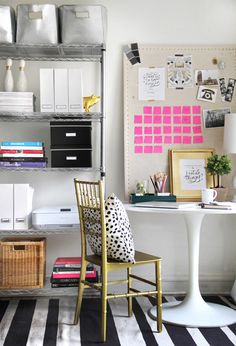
x=168, y=125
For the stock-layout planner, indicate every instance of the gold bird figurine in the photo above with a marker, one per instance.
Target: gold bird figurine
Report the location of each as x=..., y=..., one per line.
x=89, y=101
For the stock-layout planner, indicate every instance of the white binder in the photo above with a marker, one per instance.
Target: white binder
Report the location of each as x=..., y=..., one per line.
x=22, y=206
x=75, y=87
x=6, y=206
x=46, y=90
x=61, y=90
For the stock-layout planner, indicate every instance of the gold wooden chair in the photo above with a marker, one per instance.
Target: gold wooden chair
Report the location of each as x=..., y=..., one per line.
x=90, y=196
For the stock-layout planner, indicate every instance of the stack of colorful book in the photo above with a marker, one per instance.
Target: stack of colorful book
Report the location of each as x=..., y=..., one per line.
x=22, y=155
x=66, y=272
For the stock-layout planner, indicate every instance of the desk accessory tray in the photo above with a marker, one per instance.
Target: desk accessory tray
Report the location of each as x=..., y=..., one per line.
x=149, y=197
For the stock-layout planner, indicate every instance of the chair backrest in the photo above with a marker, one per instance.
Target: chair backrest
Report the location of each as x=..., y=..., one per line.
x=90, y=201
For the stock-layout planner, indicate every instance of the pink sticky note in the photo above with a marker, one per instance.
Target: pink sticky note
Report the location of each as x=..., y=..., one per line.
x=167, y=139
x=177, y=110
x=148, y=149
x=167, y=119
x=148, y=139
x=157, y=139
x=177, y=139
x=177, y=119
x=196, y=109
x=197, y=119
x=186, y=119
x=157, y=110
x=138, y=139
x=197, y=129
x=157, y=130
x=186, y=110
x=147, y=109
x=166, y=110
x=138, y=119
x=138, y=149
x=187, y=139
x=186, y=129
x=177, y=129
x=197, y=139
x=138, y=130
x=167, y=129
x=157, y=149
x=148, y=130
x=157, y=119
x=147, y=119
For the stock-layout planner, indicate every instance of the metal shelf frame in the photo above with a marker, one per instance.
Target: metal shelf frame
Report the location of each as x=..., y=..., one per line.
x=47, y=117
x=85, y=52
x=35, y=232
x=60, y=52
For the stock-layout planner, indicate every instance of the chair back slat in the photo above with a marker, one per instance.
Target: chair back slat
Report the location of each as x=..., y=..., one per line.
x=90, y=200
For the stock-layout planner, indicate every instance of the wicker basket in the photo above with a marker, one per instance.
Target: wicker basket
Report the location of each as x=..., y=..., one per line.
x=22, y=263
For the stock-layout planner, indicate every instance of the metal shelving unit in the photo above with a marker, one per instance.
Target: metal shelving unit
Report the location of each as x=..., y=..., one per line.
x=60, y=52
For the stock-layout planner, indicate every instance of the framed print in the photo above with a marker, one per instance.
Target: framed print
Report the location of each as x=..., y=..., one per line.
x=187, y=173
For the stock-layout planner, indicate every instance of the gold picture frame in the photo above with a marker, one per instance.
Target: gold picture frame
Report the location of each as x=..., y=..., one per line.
x=187, y=173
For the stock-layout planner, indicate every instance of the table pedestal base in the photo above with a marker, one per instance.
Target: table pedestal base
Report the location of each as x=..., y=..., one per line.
x=205, y=315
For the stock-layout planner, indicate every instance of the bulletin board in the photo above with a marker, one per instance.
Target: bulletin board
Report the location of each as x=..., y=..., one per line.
x=175, y=116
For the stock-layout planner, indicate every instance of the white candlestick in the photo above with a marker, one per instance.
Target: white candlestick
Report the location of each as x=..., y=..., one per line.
x=21, y=84
x=8, y=81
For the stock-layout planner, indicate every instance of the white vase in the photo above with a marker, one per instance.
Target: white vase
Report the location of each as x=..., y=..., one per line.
x=21, y=84
x=8, y=81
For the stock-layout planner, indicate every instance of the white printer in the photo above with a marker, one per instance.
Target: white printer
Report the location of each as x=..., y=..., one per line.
x=55, y=217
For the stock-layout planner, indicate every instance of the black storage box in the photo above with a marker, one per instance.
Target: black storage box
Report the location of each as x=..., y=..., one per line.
x=71, y=136
x=71, y=158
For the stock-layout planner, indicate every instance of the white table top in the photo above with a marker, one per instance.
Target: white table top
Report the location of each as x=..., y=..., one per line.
x=197, y=209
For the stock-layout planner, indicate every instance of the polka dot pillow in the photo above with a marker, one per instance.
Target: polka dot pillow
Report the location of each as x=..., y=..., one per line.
x=120, y=245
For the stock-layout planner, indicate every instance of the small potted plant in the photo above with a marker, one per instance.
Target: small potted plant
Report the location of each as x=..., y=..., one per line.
x=217, y=166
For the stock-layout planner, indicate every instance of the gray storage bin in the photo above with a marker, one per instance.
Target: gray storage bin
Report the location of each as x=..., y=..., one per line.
x=83, y=24
x=37, y=24
x=7, y=24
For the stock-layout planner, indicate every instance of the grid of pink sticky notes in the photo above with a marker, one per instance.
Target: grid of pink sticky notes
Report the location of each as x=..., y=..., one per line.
x=157, y=126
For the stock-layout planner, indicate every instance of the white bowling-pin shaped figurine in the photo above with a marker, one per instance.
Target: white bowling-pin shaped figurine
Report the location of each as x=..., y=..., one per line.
x=21, y=84
x=8, y=81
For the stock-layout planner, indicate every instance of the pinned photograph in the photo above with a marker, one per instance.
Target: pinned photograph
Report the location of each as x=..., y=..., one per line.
x=230, y=90
x=180, y=74
x=207, y=94
x=206, y=77
x=214, y=117
x=222, y=88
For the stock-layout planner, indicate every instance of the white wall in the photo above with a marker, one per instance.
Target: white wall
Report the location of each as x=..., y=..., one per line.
x=158, y=22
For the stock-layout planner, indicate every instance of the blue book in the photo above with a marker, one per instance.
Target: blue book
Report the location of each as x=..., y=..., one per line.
x=33, y=144
x=23, y=164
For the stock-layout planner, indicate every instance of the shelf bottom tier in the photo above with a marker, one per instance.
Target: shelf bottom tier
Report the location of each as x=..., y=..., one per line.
x=47, y=291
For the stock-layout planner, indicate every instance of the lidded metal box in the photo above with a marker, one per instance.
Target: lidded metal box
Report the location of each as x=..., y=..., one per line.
x=83, y=24
x=37, y=24
x=7, y=24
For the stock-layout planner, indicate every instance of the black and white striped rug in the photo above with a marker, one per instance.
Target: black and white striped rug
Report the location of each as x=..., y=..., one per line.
x=48, y=322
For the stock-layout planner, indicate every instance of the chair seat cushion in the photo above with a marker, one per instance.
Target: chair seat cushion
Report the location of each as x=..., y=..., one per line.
x=119, y=238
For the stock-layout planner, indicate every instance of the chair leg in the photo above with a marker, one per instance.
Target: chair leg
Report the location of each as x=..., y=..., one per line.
x=104, y=305
x=159, y=295
x=80, y=292
x=130, y=307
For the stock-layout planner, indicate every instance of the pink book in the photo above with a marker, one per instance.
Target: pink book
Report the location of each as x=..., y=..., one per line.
x=72, y=276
